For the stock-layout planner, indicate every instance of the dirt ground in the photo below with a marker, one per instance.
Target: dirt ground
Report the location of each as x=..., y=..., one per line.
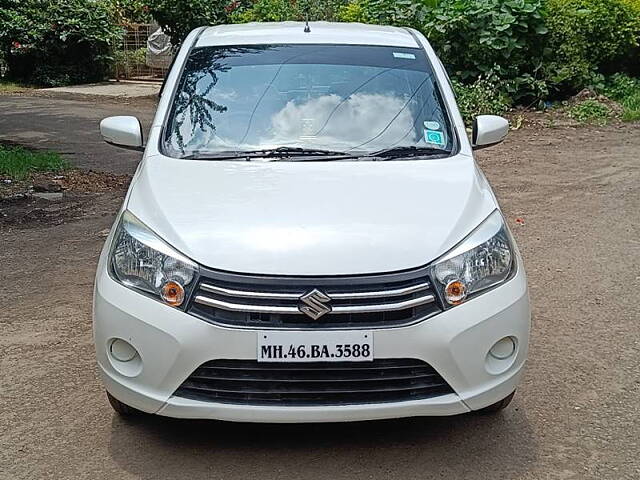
x=575, y=193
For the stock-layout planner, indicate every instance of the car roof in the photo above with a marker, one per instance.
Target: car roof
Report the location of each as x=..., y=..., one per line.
x=293, y=33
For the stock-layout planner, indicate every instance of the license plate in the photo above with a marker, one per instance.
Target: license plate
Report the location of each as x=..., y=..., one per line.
x=336, y=346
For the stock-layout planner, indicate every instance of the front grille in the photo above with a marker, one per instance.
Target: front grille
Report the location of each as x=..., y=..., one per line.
x=248, y=382
x=273, y=302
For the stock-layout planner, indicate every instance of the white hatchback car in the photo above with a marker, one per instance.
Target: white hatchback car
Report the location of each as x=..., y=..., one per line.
x=308, y=237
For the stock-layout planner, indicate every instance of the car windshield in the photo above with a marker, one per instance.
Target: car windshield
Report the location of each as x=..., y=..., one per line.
x=322, y=99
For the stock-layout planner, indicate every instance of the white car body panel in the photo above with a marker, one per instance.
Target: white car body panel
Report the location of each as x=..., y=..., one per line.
x=293, y=32
x=315, y=218
x=309, y=219
x=172, y=344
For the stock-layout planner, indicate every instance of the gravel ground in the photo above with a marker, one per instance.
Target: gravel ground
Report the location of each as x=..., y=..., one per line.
x=576, y=195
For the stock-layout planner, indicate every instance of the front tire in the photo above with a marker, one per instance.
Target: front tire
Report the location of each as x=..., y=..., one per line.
x=499, y=405
x=122, y=409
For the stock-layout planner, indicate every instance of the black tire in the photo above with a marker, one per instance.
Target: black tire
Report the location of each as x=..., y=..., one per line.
x=496, y=407
x=122, y=409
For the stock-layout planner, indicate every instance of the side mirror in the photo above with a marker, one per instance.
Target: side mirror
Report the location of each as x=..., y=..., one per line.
x=122, y=131
x=488, y=130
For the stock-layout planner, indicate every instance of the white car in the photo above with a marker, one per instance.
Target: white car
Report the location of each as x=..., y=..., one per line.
x=308, y=237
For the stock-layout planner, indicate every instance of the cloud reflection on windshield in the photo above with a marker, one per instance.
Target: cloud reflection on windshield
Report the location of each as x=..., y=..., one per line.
x=355, y=121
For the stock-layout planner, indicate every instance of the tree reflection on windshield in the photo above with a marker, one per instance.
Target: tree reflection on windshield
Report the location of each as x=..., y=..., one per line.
x=192, y=102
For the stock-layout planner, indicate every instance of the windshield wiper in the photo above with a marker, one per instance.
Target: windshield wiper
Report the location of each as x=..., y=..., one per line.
x=408, y=151
x=278, y=152
x=311, y=154
x=292, y=151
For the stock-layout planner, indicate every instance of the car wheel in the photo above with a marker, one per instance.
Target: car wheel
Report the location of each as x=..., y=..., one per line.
x=496, y=407
x=122, y=409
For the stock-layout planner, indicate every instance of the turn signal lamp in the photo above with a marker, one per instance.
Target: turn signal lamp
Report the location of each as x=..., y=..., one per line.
x=172, y=293
x=455, y=292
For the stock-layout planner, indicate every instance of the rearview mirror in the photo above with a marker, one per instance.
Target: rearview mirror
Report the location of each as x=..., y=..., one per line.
x=488, y=130
x=122, y=131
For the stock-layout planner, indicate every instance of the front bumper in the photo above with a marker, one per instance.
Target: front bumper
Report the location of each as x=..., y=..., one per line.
x=172, y=344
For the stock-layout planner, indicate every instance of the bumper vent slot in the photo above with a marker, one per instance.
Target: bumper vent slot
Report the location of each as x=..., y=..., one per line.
x=247, y=382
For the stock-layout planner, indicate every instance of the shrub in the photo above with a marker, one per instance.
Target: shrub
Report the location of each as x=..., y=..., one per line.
x=284, y=10
x=620, y=86
x=588, y=37
x=626, y=91
x=178, y=17
x=126, y=62
x=52, y=43
x=480, y=98
x=590, y=111
x=128, y=12
x=409, y=13
x=354, y=12
x=633, y=67
x=499, y=40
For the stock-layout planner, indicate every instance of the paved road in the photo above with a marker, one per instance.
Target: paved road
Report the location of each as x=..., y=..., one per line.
x=71, y=127
x=575, y=416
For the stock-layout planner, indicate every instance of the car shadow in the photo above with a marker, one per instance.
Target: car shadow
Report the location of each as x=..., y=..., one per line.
x=464, y=446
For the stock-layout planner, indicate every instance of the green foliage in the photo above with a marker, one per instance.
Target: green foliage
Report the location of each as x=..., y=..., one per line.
x=588, y=37
x=500, y=40
x=480, y=98
x=590, y=111
x=127, y=61
x=620, y=86
x=626, y=91
x=631, y=107
x=354, y=12
x=128, y=12
x=527, y=48
x=17, y=163
x=53, y=43
x=408, y=13
x=178, y=17
x=285, y=10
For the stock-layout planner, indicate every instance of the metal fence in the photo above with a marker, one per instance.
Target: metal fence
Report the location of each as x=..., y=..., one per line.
x=131, y=58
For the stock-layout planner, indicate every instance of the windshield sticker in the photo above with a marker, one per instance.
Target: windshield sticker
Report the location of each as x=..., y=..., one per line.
x=434, y=137
x=431, y=125
x=407, y=56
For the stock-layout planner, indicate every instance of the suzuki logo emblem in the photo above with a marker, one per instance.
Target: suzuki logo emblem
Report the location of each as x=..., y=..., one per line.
x=313, y=304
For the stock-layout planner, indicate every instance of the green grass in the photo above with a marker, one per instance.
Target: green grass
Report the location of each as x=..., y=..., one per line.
x=626, y=91
x=631, y=104
x=12, y=87
x=17, y=162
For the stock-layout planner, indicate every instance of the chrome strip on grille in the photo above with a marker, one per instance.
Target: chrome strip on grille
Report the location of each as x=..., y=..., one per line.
x=237, y=307
x=246, y=294
x=295, y=296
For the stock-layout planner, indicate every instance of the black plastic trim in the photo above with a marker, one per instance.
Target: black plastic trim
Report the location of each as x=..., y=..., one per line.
x=248, y=382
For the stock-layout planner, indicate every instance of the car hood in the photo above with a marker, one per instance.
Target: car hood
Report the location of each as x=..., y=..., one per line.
x=311, y=218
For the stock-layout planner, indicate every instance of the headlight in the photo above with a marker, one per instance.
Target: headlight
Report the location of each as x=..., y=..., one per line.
x=482, y=260
x=142, y=261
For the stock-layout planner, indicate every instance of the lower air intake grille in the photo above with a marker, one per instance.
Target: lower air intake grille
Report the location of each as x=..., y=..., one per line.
x=248, y=382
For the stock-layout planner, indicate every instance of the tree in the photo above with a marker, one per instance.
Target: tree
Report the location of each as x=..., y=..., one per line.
x=178, y=17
